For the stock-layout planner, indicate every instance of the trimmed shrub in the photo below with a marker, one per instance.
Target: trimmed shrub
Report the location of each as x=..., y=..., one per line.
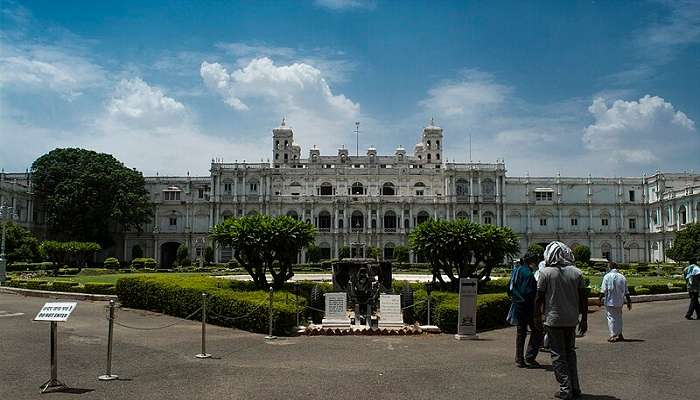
x=64, y=286
x=23, y=266
x=491, y=311
x=641, y=291
x=181, y=297
x=37, y=284
x=111, y=263
x=141, y=263
x=99, y=288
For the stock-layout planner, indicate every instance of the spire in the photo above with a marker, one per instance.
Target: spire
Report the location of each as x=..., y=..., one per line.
x=284, y=121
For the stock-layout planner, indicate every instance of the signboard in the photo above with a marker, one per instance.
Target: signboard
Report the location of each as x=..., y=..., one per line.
x=390, y=311
x=336, y=312
x=55, y=312
x=466, y=323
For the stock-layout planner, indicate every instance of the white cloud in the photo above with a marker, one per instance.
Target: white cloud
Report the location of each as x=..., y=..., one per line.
x=347, y=4
x=41, y=67
x=135, y=100
x=474, y=93
x=639, y=131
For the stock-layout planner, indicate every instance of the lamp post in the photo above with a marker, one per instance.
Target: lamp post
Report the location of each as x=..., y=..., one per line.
x=5, y=210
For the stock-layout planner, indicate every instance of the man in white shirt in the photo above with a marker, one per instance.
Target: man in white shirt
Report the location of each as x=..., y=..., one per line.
x=613, y=293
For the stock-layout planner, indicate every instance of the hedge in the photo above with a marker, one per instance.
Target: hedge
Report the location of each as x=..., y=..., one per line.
x=63, y=286
x=491, y=310
x=180, y=297
x=23, y=266
x=141, y=263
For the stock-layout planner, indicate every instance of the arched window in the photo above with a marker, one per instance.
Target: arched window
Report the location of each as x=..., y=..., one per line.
x=389, y=251
x=437, y=156
x=428, y=156
x=252, y=213
x=388, y=189
x=325, y=251
x=488, y=218
x=390, y=221
x=682, y=215
x=462, y=187
x=462, y=215
x=488, y=189
x=357, y=189
x=293, y=214
x=326, y=189
x=357, y=221
x=324, y=221
x=606, y=251
x=437, y=144
x=422, y=217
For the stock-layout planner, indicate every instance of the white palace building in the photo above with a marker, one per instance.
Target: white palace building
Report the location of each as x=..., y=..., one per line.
x=378, y=199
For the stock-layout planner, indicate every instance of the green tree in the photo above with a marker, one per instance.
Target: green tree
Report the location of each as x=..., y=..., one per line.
x=264, y=244
x=536, y=249
x=182, y=256
x=458, y=248
x=373, y=252
x=401, y=253
x=136, y=252
x=87, y=194
x=344, y=252
x=72, y=254
x=313, y=253
x=582, y=253
x=686, y=246
x=20, y=244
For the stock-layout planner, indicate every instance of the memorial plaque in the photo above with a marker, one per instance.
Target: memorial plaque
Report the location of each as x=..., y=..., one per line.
x=55, y=312
x=466, y=323
x=390, y=311
x=336, y=313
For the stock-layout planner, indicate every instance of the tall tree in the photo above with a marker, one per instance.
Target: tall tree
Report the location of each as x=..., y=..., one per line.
x=263, y=244
x=686, y=246
x=459, y=248
x=87, y=194
x=20, y=244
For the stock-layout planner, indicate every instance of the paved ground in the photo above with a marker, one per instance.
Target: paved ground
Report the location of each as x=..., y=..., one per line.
x=661, y=362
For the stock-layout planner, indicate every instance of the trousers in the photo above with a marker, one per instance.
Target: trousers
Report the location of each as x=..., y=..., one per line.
x=563, y=352
x=614, y=316
x=526, y=318
x=694, y=306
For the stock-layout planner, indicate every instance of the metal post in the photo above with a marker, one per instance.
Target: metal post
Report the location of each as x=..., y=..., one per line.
x=108, y=375
x=296, y=302
x=204, y=353
x=53, y=384
x=428, y=286
x=270, y=336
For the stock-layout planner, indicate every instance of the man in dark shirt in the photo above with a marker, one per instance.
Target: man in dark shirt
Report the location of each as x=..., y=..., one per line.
x=561, y=297
x=522, y=289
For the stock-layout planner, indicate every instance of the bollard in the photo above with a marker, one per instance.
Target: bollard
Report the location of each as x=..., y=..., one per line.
x=296, y=301
x=108, y=376
x=204, y=353
x=429, y=290
x=270, y=336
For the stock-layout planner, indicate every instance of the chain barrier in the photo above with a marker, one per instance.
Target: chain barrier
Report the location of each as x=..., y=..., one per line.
x=213, y=314
x=158, y=327
x=413, y=305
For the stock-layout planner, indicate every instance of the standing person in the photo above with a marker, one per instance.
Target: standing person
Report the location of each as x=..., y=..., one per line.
x=613, y=293
x=522, y=288
x=692, y=277
x=561, y=298
x=545, y=340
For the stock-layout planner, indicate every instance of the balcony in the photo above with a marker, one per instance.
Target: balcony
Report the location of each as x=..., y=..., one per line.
x=389, y=230
x=358, y=230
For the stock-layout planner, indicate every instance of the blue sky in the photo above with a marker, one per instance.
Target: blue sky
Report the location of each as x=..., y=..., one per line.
x=608, y=88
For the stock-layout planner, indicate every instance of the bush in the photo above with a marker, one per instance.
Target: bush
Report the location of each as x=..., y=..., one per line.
x=37, y=284
x=111, y=263
x=401, y=253
x=182, y=257
x=136, y=252
x=641, y=291
x=582, y=253
x=23, y=266
x=491, y=310
x=181, y=297
x=141, y=263
x=344, y=252
x=99, y=288
x=63, y=286
x=209, y=254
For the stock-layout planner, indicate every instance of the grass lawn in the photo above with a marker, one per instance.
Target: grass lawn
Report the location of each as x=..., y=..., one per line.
x=596, y=280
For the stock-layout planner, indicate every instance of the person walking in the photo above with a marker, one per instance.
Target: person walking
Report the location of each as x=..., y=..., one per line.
x=692, y=278
x=561, y=298
x=545, y=340
x=522, y=288
x=613, y=293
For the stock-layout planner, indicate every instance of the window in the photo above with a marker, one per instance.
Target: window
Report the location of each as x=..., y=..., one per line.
x=200, y=193
x=173, y=221
x=633, y=223
x=357, y=189
x=543, y=221
x=253, y=187
x=604, y=221
x=631, y=195
x=420, y=192
x=171, y=195
x=228, y=187
x=487, y=219
x=388, y=189
x=574, y=221
x=543, y=195
x=326, y=189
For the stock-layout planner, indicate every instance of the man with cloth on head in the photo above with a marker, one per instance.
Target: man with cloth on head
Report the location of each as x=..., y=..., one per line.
x=613, y=293
x=561, y=298
x=692, y=277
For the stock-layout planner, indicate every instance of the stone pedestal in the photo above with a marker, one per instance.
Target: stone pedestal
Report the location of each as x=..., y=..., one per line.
x=390, y=315
x=336, y=313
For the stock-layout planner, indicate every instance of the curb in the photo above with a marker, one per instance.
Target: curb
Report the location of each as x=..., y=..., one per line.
x=645, y=298
x=63, y=295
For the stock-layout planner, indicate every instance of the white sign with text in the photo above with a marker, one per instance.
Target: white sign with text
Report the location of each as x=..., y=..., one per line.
x=55, y=312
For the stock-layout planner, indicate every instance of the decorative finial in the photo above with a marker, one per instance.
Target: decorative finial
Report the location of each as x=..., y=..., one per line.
x=432, y=121
x=284, y=121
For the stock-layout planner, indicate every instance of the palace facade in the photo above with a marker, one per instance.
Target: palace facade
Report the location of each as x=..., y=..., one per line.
x=378, y=199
